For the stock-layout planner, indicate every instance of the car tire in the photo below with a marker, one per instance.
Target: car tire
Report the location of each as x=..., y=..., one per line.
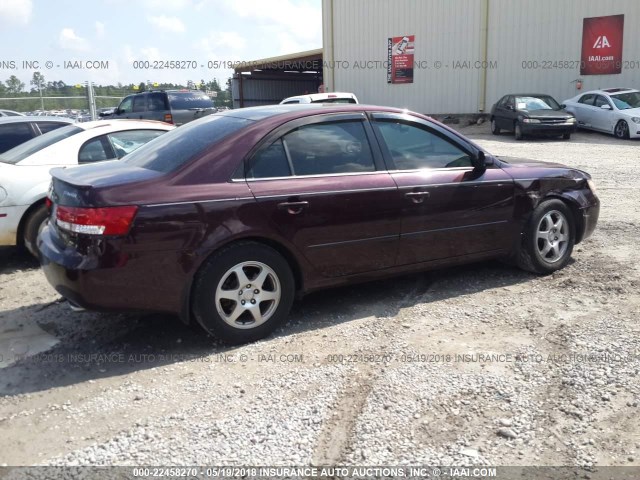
x=243, y=292
x=622, y=130
x=494, y=127
x=548, y=238
x=566, y=136
x=518, y=131
x=33, y=224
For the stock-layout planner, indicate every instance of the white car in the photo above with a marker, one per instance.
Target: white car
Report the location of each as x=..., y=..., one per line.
x=24, y=170
x=611, y=110
x=332, y=97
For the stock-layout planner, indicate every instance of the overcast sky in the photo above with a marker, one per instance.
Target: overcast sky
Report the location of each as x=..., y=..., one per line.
x=123, y=31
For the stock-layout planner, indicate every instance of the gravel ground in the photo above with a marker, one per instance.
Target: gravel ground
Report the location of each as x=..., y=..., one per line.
x=475, y=365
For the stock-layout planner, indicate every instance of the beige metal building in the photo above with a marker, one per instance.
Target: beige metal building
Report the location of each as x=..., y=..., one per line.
x=468, y=53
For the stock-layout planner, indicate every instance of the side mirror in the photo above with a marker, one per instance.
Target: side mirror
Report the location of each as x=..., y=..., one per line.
x=606, y=106
x=480, y=161
x=509, y=107
x=563, y=106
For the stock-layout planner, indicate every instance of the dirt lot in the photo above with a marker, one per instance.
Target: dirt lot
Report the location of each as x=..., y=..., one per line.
x=372, y=374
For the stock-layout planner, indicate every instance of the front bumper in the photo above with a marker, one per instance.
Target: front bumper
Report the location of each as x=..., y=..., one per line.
x=10, y=222
x=590, y=220
x=549, y=129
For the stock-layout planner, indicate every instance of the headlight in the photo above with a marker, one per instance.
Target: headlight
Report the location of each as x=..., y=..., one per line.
x=530, y=120
x=592, y=186
x=635, y=120
x=571, y=120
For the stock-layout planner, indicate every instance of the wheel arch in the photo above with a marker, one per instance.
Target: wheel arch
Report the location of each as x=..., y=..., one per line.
x=574, y=207
x=287, y=254
x=23, y=220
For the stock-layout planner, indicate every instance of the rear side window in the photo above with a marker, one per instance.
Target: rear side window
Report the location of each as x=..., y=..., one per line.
x=270, y=162
x=321, y=149
x=174, y=149
x=36, y=144
x=13, y=134
x=187, y=100
x=140, y=103
x=156, y=101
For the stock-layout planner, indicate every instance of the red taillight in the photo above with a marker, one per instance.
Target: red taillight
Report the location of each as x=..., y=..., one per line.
x=168, y=118
x=48, y=203
x=96, y=221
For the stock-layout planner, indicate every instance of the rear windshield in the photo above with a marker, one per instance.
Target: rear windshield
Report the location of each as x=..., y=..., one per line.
x=175, y=148
x=36, y=144
x=187, y=100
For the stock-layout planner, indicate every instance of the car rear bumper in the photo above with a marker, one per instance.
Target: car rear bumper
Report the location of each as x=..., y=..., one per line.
x=10, y=222
x=106, y=279
x=548, y=129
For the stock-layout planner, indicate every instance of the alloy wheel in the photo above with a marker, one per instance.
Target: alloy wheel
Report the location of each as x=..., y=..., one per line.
x=622, y=130
x=248, y=294
x=552, y=236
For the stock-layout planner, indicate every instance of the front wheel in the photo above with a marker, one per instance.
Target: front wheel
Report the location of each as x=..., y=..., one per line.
x=243, y=292
x=33, y=225
x=549, y=238
x=622, y=130
x=518, y=131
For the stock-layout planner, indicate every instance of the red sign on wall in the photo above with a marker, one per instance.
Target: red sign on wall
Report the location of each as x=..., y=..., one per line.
x=602, y=45
x=400, y=53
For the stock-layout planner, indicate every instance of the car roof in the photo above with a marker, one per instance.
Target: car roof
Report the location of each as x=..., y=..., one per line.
x=34, y=118
x=322, y=96
x=266, y=111
x=610, y=91
x=124, y=122
x=528, y=95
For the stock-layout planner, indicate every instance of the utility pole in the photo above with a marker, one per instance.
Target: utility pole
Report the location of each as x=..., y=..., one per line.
x=40, y=90
x=92, y=101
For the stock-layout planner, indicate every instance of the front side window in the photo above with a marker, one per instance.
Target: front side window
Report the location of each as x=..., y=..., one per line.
x=414, y=147
x=600, y=101
x=126, y=105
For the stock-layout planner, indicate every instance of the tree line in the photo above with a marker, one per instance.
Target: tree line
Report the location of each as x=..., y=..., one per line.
x=30, y=99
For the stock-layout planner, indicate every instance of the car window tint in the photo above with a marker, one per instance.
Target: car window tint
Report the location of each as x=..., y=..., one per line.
x=600, y=101
x=270, y=162
x=187, y=100
x=13, y=134
x=291, y=102
x=503, y=102
x=320, y=149
x=41, y=142
x=140, y=103
x=46, y=127
x=156, y=102
x=126, y=105
x=412, y=147
x=93, y=151
x=124, y=143
x=174, y=149
x=587, y=99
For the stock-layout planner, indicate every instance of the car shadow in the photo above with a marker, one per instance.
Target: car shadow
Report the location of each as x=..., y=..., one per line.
x=98, y=345
x=13, y=259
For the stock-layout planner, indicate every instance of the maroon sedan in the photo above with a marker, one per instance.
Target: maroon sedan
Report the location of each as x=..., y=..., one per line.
x=226, y=219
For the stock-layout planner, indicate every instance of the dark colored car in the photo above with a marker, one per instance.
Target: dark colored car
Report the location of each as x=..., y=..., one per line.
x=15, y=130
x=226, y=219
x=531, y=114
x=171, y=106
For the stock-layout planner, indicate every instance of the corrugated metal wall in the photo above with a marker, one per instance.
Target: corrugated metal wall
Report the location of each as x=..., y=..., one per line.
x=450, y=32
x=258, y=90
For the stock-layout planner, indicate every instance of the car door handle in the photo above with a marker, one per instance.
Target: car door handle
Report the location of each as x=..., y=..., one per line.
x=293, y=208
x=417, y=197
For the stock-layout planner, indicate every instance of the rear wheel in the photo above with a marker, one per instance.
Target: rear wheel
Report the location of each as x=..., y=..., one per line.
x=33, y=225
x=243, y=293
x=622, y=130
x=549, y=238
x=518, y=131
x=494, y=127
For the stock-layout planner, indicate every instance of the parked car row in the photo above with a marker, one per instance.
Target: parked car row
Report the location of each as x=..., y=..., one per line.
x=615, y=111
